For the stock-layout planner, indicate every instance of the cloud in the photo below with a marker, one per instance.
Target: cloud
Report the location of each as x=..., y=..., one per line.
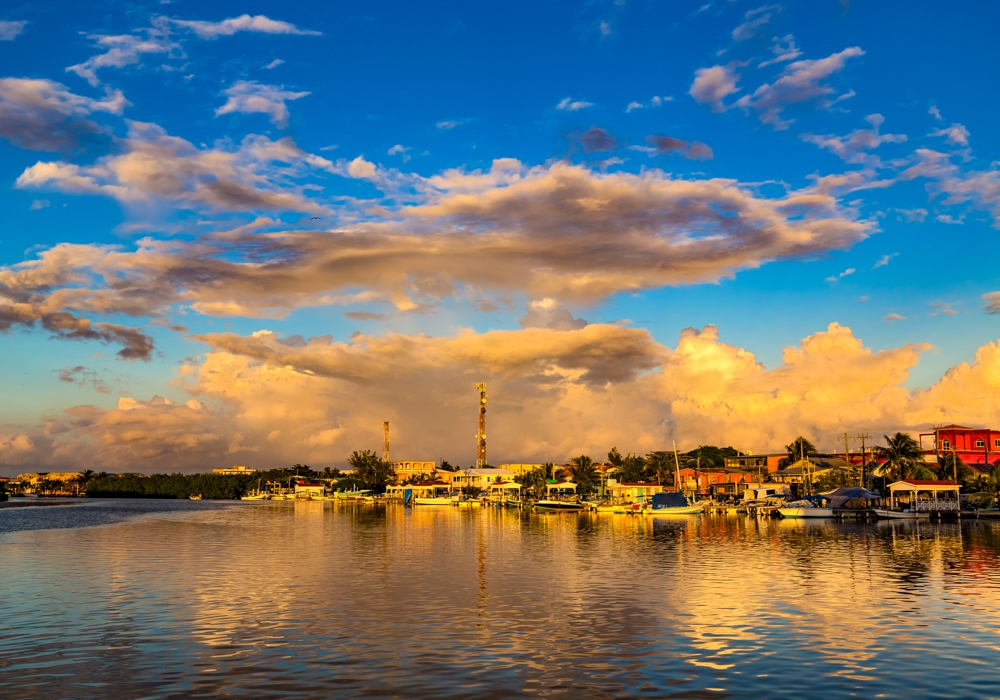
x=364, y=316
x=935, y=112
x=82, y=376
x=783, y=49
x=126, y=49
x=894, y=317
x=884, y=260
x=712, y=85
x=912, y=215
x=604, y=28
x=594, y=140
x=854, y=147
x=152, y=167
x=450, y=124
x=43, y=115
x=753, y=21
x=557, y=231
x=244, y=23
x=955, y=134
x=978, y=188
x=568, y=104
x=801, y=82
x=274, y=64
x=37, y=204
x=11, y=30
x=400, y=150
x=549, y=313
x=842, y=275
x=667, y=145
x=655, y=101
x=992, y=300
x=251, y=97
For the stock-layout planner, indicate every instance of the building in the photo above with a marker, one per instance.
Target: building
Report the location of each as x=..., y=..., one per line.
x=32, y=478
x=406, y=468
x=480, y=478
x=309, y=491
x=520, y=468
x=971, y=445
x=813, y=468
x=235, y=470
x=759, y=465
x=691, y=480
x=632, y=491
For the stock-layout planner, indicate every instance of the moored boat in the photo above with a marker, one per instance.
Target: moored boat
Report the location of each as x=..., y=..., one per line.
x=804, y=509
x=890, y=514
x=556, y=506
x=195, y=498
x=670, y=503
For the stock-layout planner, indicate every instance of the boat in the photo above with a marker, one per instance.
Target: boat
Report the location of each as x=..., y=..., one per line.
x=804, y=509
x=256, y=495
x=433, y=500
x=670, y=503
x=195, y=498
x=555, y=506
x=899, y=514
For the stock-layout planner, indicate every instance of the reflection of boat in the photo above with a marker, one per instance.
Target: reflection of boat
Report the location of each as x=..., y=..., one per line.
x=900, y=514
x=554, y=506
x=195, y=498
x=804, y=509
x=672, y=503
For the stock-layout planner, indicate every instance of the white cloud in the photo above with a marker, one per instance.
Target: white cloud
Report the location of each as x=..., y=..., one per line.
x=784, y=49
x=655, y=101
x=549, y=313
x=244, y=23
x=571, y=105
x=935, y=112
x=126, y=49
x=894, y=317
x=11, y=30
x=754, y=20
x=912, y=215
x=853, y=147
x=605, y=28
x=712, y=85
x=274, y=64
x=39, y=204
x=450, y=123
x=800, y=82
x=884, y=260
x=251, y=97
x=842, y=275
x=955, y=134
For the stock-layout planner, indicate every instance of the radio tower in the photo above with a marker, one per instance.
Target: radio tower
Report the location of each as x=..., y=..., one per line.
x=385, y=442
x=481, y=435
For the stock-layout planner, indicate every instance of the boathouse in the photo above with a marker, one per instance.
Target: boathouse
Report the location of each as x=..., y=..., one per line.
x=926, y=496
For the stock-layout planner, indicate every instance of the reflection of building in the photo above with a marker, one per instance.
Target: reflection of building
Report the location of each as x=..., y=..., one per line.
x=974, y=446
x=235, y=469
x=481, y=478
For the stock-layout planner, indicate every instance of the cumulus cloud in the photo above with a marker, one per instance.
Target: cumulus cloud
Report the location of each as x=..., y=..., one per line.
x=11, y=30
x=657, y=145
x=801, y=82
x=712, y=85
x=854, y=147
x=251, y=97
x=553, y=393
x=43, y=115
x=594, y=140
x=244, y=23
x=557, y=231
x=152, y=167
x=955, y=134
x=571, y=105
x=549, y=313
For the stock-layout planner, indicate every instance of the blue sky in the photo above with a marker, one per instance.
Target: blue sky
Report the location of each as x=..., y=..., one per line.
x=382, y=110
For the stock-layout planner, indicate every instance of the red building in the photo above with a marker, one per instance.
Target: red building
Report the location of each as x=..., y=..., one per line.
x=974, y=446
x=712, y=479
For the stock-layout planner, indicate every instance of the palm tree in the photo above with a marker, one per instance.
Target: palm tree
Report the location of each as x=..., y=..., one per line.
x=796, y=450
x=950, y=466
x=902, y=456
x=662, y=465
x=633, y=468
x=584, y=473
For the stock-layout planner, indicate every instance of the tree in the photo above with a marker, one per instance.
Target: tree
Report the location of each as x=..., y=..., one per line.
x=949, y=465
x=371, y=470
x=796, y=450
x=833, y=479
x=633, y=468
x=584, y=473
x=447, y=467
x=902, y=454
x=615, y=457
x=711, y=456
x=662, y=466
x=994, y=478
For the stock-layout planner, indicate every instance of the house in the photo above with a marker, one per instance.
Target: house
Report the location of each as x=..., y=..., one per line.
x=520, y=468
x=309, y=491
x=404, y=469
x=632, y=491
x=971, y=445
x=480, y=478
x=691, y=480
x=813, y=468
x=235, y=470
x=759, y=465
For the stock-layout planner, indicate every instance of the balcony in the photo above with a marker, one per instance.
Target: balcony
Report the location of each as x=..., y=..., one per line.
x=937, y=506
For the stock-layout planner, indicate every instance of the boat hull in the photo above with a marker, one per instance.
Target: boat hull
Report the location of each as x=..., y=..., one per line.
x=899, y=515
x=806, y=512
x=693, y=509
x=434, y=501
x=559, y=507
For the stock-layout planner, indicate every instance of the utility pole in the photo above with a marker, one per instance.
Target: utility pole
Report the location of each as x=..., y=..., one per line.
x=481, y=435
x=862, y=438
x=385, y=441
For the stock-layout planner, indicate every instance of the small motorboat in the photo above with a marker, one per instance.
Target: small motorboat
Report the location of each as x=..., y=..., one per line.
x=434, y=501
x=804, y=509
x=554, y=506
x=899, y=514
x=195, y=498
x=672, y=503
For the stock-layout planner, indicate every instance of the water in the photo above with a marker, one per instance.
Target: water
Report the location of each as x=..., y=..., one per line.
x=172, y=599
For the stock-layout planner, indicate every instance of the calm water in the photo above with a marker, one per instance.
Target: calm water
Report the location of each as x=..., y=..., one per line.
x=155, y=599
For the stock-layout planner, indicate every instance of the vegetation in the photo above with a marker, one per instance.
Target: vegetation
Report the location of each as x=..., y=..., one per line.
x=213, y=486
x=949, y=466
x=708, y=456
x=796, y=450
x=833, y=479
x=584, y=474
x=371, y=470
x=902, y=455
x=661, y=466
x=534, y=481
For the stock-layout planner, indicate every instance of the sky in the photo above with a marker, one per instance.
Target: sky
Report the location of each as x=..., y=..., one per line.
x=249, y=232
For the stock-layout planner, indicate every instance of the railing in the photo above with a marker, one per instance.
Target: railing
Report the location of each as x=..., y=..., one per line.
x=935, y=506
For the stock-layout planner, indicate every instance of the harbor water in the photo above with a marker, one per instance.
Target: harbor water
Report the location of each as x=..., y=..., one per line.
x=177, y=599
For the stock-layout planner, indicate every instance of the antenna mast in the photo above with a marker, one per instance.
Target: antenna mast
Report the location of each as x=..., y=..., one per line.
x=385, y=441
x=481, y=435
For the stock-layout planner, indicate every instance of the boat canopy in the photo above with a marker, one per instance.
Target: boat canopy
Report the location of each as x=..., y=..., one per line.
x=669, y=499
x=510, y=485
x=839, y=497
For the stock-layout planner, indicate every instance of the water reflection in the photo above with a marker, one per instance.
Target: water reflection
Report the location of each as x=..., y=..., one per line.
x=314, y=599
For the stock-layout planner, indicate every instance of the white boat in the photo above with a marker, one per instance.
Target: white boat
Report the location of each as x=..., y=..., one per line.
x=805, y=512
x=555, y=506
x=900, y=514
x=669, y=504
x=433, y=501
x=195, y=498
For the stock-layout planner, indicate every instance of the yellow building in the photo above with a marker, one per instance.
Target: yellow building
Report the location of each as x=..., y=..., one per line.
x=520, y=468
x=406, y=468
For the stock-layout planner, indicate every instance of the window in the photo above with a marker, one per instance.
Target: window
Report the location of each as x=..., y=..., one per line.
x=996, y=443
x=980, y=443
x=945, y=445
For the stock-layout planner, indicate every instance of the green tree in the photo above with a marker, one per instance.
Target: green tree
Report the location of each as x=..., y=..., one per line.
x=949, y=465
x=371, y=470
x=447, y=467
x=712, y=456
x=584, y=474
x=994, y=478
x=902, y=455
x=615, y=457
x=795, y=450
x=661, y=465
x=833, y=479
x=633, y=468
